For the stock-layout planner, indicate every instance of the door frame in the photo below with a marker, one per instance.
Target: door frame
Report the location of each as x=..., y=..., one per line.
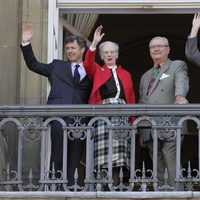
x=58, y=7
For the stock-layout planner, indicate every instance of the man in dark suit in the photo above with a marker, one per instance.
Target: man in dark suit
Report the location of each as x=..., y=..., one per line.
x=64, y=90
x=191, y=49
x=167, y=82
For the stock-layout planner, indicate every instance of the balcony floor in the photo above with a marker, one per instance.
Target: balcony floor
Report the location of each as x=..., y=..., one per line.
x=98, y=195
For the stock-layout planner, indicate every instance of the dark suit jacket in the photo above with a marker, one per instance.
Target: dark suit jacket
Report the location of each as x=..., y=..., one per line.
x=63, y=88
x=192, y=52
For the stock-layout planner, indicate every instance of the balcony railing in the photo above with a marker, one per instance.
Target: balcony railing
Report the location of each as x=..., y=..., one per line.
x=32, y=124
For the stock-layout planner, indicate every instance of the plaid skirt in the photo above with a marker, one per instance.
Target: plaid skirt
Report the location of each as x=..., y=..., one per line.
x=120, y=148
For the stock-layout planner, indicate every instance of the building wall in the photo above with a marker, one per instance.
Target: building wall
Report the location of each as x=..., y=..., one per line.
x=9, y=69
x=18, y=85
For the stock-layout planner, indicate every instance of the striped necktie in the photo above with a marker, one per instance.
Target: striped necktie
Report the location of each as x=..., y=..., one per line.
x=153, y=77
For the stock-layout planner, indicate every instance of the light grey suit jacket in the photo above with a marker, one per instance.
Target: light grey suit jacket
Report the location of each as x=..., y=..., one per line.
x=192, y=51
x=172, y=80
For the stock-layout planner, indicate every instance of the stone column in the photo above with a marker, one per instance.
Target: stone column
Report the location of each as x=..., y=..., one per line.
x=9, y=69
x=9, y=73
x=33, y=87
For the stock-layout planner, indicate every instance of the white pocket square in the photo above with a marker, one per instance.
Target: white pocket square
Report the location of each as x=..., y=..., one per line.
x=164, y=76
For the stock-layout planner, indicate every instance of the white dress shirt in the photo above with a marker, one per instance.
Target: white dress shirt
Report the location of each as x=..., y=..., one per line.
x=81, y=70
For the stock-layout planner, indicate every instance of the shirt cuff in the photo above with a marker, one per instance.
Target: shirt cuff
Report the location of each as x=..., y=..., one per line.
x=25, y=43
x=92, y=49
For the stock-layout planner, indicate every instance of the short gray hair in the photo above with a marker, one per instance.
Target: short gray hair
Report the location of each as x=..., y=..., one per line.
x=165, y=40
x=102, y=45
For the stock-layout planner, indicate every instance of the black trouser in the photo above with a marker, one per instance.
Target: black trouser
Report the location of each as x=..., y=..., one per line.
x=75, y=150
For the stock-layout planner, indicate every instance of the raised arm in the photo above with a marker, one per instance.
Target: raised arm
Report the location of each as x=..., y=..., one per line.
x=191, y=49
x=89, y=63
x=32, y=63
x=97, y=37
x=195, y=25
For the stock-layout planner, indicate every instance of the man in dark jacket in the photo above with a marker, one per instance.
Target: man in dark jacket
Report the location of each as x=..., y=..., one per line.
x=69, y=85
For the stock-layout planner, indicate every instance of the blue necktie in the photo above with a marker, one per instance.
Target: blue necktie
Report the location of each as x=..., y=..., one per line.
x=76, y=74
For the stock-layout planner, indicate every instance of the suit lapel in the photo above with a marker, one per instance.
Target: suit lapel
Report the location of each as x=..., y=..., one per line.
x=148, y=78
x=69, y=70
x=162, y=70
x=65, y=73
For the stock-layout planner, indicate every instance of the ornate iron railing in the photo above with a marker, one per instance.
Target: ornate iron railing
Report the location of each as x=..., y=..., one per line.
x=32, y=124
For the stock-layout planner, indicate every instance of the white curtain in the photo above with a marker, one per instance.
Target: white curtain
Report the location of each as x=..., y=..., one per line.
x=83, y=23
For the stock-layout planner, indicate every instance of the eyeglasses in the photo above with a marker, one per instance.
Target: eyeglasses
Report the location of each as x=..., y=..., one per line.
x=159, y=46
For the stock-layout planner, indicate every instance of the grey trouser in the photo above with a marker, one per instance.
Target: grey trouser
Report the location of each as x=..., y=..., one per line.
x=166, y=159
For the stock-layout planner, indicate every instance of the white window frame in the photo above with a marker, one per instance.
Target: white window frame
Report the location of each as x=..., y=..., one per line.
x=57, y=7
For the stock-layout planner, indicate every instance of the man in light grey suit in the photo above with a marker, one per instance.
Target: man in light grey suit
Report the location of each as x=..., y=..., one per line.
x=191, y=50
x=170, y=86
